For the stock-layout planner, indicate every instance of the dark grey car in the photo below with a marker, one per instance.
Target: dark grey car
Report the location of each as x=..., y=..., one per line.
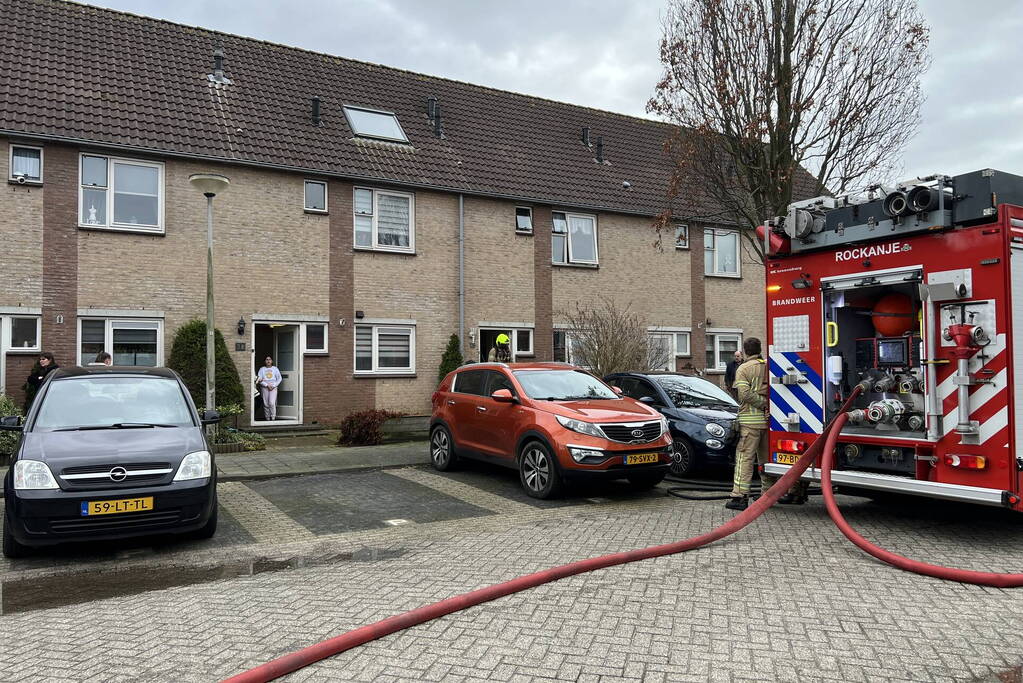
x=108, y=453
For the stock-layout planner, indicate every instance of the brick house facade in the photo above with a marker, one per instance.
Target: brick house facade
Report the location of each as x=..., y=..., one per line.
x=357, y=325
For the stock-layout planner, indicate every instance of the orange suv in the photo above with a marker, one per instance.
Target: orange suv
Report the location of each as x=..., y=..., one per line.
x=551, y=421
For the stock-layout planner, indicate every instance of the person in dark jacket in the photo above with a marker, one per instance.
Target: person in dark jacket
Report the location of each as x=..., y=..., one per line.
x=44, y=366
x=730, y=368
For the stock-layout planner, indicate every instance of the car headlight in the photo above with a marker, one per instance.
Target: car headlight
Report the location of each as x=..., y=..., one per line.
x=715, y=429
x=582, y=427
x=664, y=425
x=194, y=466
x=33, y=475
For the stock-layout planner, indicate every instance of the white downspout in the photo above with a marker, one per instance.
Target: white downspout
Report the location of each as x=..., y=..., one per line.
x=461, y=274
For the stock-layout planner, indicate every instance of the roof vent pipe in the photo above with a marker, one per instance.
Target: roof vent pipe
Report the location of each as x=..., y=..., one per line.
x=431, y=106
x=315, y=114
x=218, y=65
x=438, y=130
x=600, y=150
x=586, y=136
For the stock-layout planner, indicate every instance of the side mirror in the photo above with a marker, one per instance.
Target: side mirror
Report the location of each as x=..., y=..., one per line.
x=618, y=390
x=10, y=423
x=650, y=401
x=504, y=396
x=210, y=417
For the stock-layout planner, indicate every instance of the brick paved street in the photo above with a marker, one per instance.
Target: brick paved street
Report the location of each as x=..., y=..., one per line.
x=786, y=599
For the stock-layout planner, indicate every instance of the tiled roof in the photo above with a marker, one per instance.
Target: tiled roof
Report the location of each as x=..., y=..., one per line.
x=80, y=72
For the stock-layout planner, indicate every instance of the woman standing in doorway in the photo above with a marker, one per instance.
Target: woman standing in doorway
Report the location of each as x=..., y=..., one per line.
x=268, y=379
x=44, y=366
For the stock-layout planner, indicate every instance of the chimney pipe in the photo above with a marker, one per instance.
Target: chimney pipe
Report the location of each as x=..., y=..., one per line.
x=438, y=130
x=431, y=106
x=218, y=65
x=315, y=101
x=586, y=136
x=600, y=150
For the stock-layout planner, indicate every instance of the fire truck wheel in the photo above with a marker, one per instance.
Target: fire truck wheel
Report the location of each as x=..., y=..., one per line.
x=683, y=460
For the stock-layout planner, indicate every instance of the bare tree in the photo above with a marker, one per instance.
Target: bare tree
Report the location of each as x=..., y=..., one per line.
x=608, y=338
x=761, y=88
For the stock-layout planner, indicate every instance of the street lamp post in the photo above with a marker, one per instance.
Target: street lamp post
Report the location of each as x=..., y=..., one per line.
x=210, y=184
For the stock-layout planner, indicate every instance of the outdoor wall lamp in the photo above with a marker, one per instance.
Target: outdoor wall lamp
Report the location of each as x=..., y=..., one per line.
x=241, y=326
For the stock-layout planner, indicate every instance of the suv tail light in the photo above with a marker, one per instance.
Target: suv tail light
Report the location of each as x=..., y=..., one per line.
x=791, y=446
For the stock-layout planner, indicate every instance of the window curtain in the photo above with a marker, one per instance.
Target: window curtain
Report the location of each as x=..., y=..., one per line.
x=393, y=221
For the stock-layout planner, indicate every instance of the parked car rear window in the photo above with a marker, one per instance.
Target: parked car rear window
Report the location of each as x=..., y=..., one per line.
x=470, y=382
x=101, y=401
x=562, y=385
x=693, y=392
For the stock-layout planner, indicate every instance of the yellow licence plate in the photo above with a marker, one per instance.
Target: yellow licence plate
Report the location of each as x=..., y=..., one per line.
x=641, y=458
x=114, y=507
x=786, y=458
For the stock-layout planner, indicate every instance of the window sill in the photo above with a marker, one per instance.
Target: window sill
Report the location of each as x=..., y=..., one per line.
x=591, y=266
x=379, y=250
x=317, y=212
x=714, y=372
x=723, y=275
x=23, y=351
x=315, y=353
x=384, y=375
x=131, y=231
x=27, y=183
x=524, y=233
x=678, y=248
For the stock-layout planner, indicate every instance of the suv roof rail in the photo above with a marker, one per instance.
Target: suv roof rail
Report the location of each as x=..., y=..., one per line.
x=485, y=362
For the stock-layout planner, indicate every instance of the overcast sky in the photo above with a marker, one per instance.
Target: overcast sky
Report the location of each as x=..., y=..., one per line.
x=604, y=54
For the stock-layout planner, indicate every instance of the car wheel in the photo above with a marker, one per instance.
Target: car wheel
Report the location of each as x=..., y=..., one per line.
x=210, y=528
x=646, y=480
x=442, y=450
x=12, y=549
x=683, y=460
x=538, y=472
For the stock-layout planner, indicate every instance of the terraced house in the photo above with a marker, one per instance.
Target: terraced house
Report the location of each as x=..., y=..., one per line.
x=372, y=213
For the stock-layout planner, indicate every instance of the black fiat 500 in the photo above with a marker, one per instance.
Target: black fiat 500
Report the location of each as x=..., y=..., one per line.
x=699, y=412
x=108, y=453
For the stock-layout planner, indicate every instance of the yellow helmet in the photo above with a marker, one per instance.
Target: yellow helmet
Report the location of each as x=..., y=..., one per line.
x=503, y=340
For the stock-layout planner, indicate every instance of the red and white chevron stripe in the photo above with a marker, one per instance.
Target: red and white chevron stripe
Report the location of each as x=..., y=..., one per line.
x=989, y=403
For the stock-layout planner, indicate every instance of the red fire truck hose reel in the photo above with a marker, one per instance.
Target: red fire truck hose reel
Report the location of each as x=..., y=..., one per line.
x=826, y=443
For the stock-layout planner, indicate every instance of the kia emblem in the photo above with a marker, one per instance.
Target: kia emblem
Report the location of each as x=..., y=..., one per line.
x=637, y=433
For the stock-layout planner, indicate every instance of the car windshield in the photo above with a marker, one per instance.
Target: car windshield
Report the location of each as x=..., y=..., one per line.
x=693, y=392
x=99, y=402
x=562, y=385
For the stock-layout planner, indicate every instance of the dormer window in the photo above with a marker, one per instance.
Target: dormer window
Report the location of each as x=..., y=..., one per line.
x=371, y=123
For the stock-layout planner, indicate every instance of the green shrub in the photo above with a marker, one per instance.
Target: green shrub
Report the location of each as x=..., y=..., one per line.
x=188, y=359
x=8, y=440
x=363, y=428
x=452, y=358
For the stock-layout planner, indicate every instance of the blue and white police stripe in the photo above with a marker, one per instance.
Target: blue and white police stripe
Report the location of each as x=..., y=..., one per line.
x=805, y=400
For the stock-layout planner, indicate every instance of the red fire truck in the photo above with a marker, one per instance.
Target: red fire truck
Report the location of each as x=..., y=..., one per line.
x=914, y=291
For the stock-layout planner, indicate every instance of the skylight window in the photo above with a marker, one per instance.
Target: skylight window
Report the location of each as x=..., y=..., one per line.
x=369, y=123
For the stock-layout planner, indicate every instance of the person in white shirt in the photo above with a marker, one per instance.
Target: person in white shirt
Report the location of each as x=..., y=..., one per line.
x=267, y=379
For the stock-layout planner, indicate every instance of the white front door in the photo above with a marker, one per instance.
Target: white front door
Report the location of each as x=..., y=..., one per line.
x=286, y=356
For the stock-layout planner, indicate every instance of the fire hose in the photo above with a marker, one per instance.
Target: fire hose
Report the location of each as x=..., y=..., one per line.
x=826, y=443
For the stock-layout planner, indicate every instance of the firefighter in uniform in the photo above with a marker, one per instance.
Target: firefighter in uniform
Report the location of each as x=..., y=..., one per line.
x=751, y=386
x=501, y=352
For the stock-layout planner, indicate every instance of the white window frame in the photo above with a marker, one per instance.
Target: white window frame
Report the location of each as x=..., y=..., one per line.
x=570, y=259
x=411, y=248
x=306, y=349
x=305, y=196
x=679, y=352
x=669, y=362
x=111, y=190
x=715, y=232
x=10, y=165
x=377, y=329
x=7, y=334
x=680, y=242
x=108, y=336
x=515, y=342
x=717, y=335
x=404, y=136
x=524, y=231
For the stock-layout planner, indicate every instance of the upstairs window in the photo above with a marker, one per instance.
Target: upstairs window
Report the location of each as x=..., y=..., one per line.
x=523, y=219
x=370, y=123
x=721, y=252
x=26, y=164
x=384, y=220
x=120, y=194
x=316, y=196
x=681, y=236
x=574, y=238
